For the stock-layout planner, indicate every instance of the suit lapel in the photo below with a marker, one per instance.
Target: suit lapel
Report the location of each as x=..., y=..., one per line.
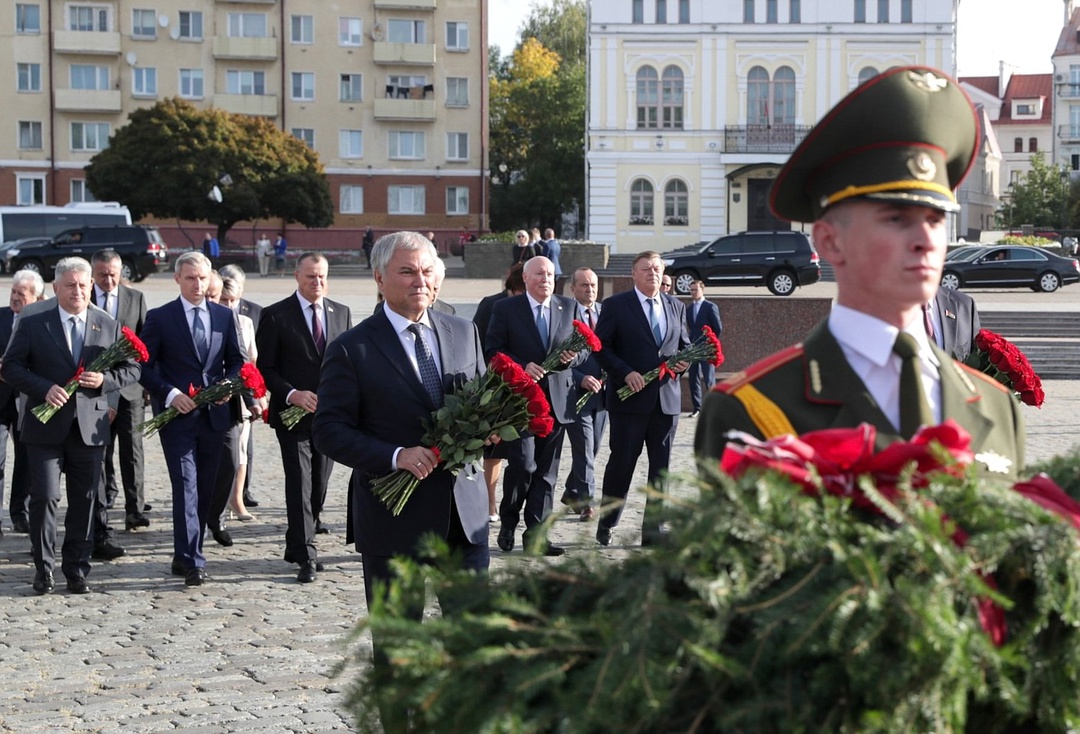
x=948, y=322
x=335, y=318
x=961, y=401
x=447, y=348
x=303, y=326
x=55, y=326
x=387, y=341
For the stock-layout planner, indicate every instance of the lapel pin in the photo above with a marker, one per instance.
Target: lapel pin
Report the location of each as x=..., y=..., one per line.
x=95, y=327
x=949, y=314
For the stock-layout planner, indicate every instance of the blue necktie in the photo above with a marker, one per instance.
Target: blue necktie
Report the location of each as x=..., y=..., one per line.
x=429, y=374
x=76, y=338
x=653, y=322
x=542, y=326
x=198, y=331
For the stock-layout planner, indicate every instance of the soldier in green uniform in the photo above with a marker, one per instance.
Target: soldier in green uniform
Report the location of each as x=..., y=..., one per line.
x=876, y=177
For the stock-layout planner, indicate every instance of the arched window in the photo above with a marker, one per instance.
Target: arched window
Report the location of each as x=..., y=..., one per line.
x=641, y=202
x=867, y=73
x=783, y=111
x=676, y=204
x=648, y=97
x=672, y=98
x=1018, y=145
x=757, y=96
x=770, y=102
x=1033, y=145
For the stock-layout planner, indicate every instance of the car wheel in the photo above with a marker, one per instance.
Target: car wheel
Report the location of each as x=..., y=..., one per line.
x=951, y=281
x=781, y=283
x=1049, y=282
x=681, y=282
x=34, y=266
x=129, y=272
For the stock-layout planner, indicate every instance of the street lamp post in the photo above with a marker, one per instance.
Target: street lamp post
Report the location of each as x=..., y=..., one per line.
x=1064, y=194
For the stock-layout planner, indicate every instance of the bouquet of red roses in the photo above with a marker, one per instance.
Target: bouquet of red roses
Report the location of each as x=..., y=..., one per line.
x=996, y=356
x=504, y=401
x=128, y=346
x=582, y=338
x=705, y=349
x=249, y=380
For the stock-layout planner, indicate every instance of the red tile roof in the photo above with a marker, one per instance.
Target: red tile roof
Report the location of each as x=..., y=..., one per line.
x=1021, y=87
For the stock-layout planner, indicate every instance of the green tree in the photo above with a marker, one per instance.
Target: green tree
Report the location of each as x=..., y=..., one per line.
x=560, y=27
x=167, y=160
x=1040, y=199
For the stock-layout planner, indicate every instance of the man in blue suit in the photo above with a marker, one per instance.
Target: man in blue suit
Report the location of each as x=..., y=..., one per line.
x=639, y=329
x=699, y=314
x=192, y=342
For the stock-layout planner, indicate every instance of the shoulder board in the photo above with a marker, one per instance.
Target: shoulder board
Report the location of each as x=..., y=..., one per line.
x=758, y=369
x=971, y=371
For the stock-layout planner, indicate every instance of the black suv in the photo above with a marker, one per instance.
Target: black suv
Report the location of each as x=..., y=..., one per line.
x=141, y=250
x=779, y=260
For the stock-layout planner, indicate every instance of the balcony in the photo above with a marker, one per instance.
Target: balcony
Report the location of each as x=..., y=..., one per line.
x=252, y=49
x=1068, y=90
x=763, y=138
x=405, y=4
x=405, y=109
x=255, y=105
x=414, y=54
x=1069, y=133
x=87, y=42
x=88, y=100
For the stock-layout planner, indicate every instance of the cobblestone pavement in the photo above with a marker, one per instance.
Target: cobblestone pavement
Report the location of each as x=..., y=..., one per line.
x=252, y=650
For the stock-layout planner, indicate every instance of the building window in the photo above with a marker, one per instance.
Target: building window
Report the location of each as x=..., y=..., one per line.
x=303, y=86
x=905, y=11
x=676, y=204
x=641, y=202
x=306, y=134
x=1018, y=145
x=302, y=29
x=405, y=200
x=457, y=200
x=89, y=136
x=648, y=98
x=406, y=144
x=351, y=143
x=1033, y=145
x=29, y=77
x=661, y=11
x=457, y=146
x=784, y=96
x=143, y=23
x=748, y=11
x=191, y=25
x=352, y=199
x=80, y=192
x=191, y=83
x=684, y=11
x=245, y=82
x=29, y=135
x=404, y=83
x=795, y=11
x=144, y=81
x=247, y=25
x=866, y=74
x=638, y=11
x=1025, y=109
x=860, y=11
x=351, y=88
x=31, y=190
x=772, y=11
x=350, y=32
x=399, y=30
x=882, y=11
x=457, y=91
x=770, y=102
x=88, y=18
x=672, y=99
x=89, y=78
x=27, y=18
x=457, y=36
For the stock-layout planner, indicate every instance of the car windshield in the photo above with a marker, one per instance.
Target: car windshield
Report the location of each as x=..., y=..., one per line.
x=965, y=254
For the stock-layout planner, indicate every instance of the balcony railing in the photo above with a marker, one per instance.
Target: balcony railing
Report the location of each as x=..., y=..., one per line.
x=405, y=4
x=419, y=54
x=258, y=49
x=1069, y=133
x=763, y=138
x=88, y=100
x=1068, y=90
x=255, y=105
x=87, y=42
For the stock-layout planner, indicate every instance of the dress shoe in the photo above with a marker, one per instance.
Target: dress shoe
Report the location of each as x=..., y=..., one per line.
x=506, y=537
x=546, y=549
x=603, y=535
x=588, y=514
x=195, y=577
x=572, y=502
x=178, y=568
x=250, y=501
x=20, y=525
x=321, y=529
x=138, y=520
x=77, y=585
x=147, y=507
x=289, y=559
x=307, y=572
x=43, y=583
x=107, y=550
x=694, y=413
x=221, y=535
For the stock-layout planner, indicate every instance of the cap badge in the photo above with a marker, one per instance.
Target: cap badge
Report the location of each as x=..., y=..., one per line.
x=928, y=81
x=922, y=167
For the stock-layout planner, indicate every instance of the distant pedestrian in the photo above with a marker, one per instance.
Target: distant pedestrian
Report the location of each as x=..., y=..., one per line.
x=263, y=250
x=552, y=250
x=280, y=248
x=210, y=248
x=369, y=242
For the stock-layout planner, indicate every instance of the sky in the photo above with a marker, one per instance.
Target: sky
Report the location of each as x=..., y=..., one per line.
x=1021, y=32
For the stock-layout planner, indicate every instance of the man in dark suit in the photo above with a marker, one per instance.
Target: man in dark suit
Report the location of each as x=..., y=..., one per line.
x=639, y=329
x=876, y=178
x=586, y=433
x=192, y=342
x=27, y=287
x=127, y=306
x=699, y=314
x=44, y=353
x=372, y=401
x=291, y=340
x=527, y=328
x=254, y=312
x=952, y=321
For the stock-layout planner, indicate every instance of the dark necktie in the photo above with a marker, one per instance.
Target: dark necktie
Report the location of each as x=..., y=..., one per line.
x=589, y=318
x=317, y=330
x=914, y=407
x=653, y=322
x=76, y=338
x=928, y=322
x=198, y=332
x=542, y=326
x=429, y=374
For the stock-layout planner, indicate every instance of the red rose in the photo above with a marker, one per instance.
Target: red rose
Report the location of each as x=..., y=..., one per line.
x=500, y=364
x=266, y=415
x=253, y=380
x=141, y=352
x=538, y=407
x=192, y=391
x=591, y=340
x=541, y=426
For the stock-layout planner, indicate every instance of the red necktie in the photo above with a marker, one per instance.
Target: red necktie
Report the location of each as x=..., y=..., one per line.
x=317, y=330
x=588, y=317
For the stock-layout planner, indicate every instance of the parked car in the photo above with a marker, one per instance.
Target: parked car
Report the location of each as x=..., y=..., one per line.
x=780, y=261
x=22, y=242
x=141, y=250
x=1010, y=266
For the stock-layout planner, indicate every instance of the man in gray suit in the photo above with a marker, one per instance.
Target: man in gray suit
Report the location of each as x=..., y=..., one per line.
x=43, y=354
x=952, y=322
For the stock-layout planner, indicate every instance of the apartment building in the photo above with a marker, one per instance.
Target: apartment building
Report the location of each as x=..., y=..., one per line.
x=695, y=105
x=392, y=95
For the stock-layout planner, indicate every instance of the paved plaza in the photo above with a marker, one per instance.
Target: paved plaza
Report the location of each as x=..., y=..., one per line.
x=253, y=650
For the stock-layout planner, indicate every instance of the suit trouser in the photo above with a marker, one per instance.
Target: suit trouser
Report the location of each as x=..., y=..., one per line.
x=129, y=413
x=226, y=476
x=698, y=372
x=81, y=466
x=307, y=472
x=629, y=432
x=585, y=436
x=192, y=454
x=529, y=480
x=19, y=487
